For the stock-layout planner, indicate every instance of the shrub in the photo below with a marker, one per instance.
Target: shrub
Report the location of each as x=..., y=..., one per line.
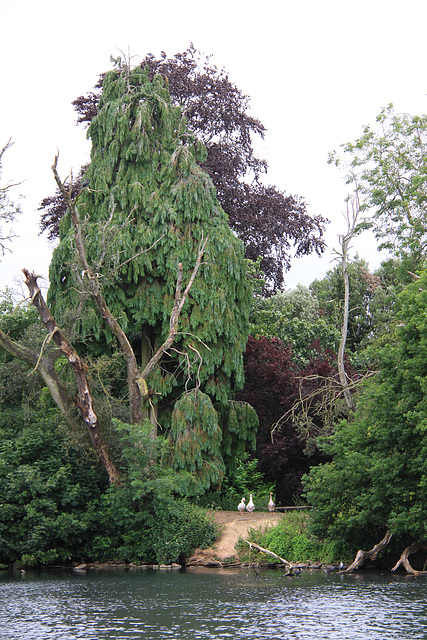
x=290, y=540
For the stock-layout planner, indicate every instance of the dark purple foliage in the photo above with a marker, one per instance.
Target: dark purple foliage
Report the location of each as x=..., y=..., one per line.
x=272, y=386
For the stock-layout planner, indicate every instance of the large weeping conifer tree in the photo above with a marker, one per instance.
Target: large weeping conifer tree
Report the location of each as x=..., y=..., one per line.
x=145, y=208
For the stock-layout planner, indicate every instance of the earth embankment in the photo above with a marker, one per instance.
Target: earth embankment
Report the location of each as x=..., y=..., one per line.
x=232, y=525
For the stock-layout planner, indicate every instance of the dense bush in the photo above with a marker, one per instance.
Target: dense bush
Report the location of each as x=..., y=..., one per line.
x=56, y=505
x=49, y=490
x=157, y=528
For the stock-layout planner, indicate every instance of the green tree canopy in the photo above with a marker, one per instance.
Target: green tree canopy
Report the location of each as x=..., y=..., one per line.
x=388, y=165
x=272, y=224
x=146, y=207
x=295, y=317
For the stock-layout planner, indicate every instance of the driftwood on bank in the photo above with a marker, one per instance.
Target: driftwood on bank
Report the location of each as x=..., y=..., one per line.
x=270, y=553
x=404, y=558
x=362, y=556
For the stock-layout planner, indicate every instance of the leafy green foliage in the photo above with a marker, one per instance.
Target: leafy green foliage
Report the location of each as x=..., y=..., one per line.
x=19, y=322
x=271, y=224
x=196, y=438
x=49, y=490
x=388, y=164
x=155, y=527
x=148, y=518
x=147, y=207
x=56, y=505
x=377, y=478
x=362, y=289
x=180, y=527
x=243, y=480
x=296, y=318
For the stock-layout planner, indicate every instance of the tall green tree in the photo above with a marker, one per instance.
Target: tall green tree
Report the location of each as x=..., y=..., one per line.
x=377, y=478
x=363, y=287
x=388, y=166
x=145, y=209
x=272, y=224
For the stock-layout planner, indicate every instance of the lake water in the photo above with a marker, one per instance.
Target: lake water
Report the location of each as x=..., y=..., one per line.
x=211, y=603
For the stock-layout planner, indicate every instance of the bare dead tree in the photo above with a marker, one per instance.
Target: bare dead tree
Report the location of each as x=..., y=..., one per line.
x=84, y=399
x=8, y=209
x=351, y=215
x=318, y=402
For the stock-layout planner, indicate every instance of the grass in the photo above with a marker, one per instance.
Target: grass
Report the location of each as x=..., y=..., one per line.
x=289, y=539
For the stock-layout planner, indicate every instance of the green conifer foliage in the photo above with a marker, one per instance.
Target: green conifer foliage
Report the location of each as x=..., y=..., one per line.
x=146, y=208
x=197, y=437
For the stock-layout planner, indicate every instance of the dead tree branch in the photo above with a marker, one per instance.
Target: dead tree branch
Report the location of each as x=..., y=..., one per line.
x=270, y=553
x=84, y=400
x=352, y=213
x=362, y=556
x=404, y=558
x=319, y=402
x=46, y=369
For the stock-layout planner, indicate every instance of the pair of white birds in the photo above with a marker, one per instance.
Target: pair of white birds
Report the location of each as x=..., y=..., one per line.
x=250, y=506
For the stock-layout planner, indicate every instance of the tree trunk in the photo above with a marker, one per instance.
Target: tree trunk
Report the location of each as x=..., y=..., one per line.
x=344, y=327
x=84, y=400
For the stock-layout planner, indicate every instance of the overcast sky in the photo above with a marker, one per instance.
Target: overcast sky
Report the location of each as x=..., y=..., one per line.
x=316, y=72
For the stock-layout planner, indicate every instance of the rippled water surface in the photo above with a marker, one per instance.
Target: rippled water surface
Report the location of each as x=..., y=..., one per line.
x=209, y=603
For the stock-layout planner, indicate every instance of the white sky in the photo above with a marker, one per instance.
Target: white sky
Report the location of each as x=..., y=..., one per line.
x=316, y=72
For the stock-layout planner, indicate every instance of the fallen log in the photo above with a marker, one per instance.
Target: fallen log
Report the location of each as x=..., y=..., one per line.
x=404, y=558
x=270, y=553
x=362, y=556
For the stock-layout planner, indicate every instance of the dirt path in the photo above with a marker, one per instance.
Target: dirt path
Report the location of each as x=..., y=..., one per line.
x=232, y=525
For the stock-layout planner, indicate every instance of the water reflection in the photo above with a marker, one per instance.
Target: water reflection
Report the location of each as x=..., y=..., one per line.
x=210, y=603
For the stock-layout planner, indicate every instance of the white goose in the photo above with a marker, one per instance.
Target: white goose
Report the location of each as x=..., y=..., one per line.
x=250, y=506
x=271, y=505
x=241, y=506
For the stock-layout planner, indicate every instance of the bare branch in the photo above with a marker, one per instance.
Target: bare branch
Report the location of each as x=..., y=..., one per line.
x=8, y=209
x=46, y=369
x=270, y=553
x=362, y=556
x=326, y=394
